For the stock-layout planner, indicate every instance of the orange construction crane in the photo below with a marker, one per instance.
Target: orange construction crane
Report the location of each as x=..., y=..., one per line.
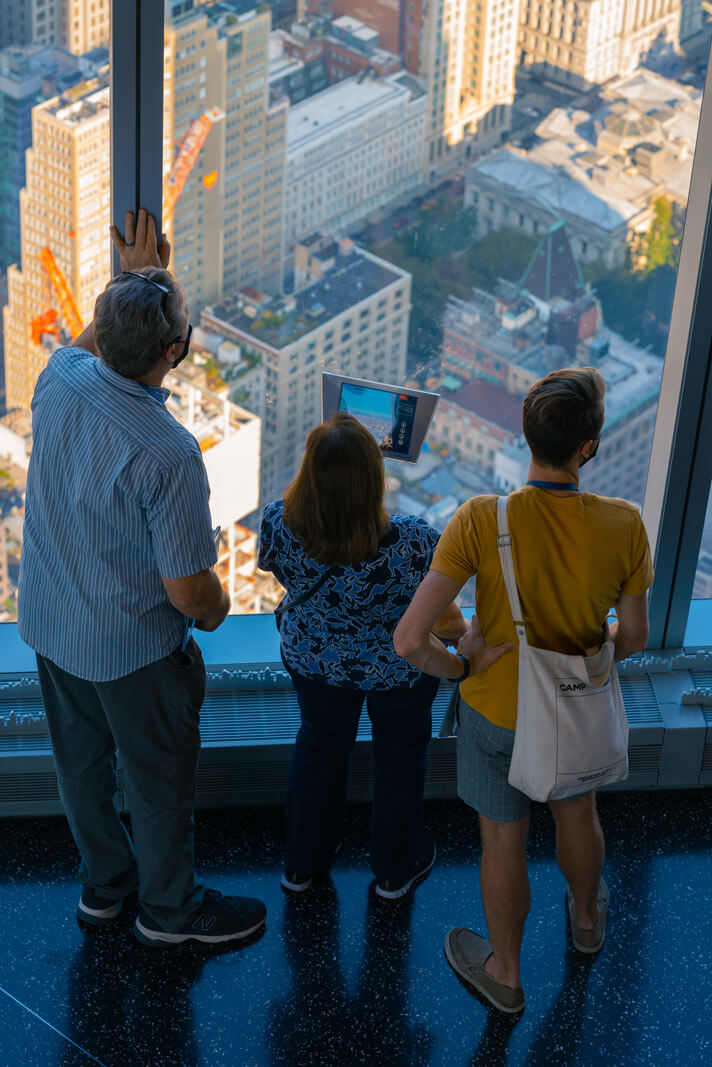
x=46, y=323
x=67, y=303
x=190, y=148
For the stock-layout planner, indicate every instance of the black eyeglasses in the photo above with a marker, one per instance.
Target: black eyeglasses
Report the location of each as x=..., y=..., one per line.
x=165, y=291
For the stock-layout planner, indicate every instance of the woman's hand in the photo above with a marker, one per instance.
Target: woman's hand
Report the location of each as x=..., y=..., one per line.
x=476, y=651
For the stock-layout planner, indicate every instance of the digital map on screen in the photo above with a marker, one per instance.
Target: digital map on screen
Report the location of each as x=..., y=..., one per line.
x=388, y=416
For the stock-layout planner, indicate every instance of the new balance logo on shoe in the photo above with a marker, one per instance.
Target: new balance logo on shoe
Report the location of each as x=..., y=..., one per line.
x=204, y=923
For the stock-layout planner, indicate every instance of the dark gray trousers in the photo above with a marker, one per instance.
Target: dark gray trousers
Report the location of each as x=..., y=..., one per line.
x=151, y=718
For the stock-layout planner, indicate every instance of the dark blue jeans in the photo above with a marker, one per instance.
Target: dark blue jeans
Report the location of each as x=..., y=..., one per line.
x=316, y=794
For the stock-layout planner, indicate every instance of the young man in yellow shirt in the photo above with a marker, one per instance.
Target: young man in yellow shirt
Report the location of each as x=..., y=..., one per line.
x=576, y=556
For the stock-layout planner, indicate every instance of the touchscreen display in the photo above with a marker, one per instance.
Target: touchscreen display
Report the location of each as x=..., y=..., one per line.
x=388, y=416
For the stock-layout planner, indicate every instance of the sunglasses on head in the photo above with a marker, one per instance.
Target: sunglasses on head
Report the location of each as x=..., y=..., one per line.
x=185, y=341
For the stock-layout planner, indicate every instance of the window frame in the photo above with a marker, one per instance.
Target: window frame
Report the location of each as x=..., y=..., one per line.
x=679, y=471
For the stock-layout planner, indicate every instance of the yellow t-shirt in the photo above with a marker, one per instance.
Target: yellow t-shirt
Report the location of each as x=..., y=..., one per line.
x=573, y=557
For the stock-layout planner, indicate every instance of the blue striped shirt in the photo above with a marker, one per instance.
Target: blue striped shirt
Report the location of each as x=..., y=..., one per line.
x=117, y=495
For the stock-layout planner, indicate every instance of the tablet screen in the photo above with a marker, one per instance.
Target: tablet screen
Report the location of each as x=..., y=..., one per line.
x=388, y=416
x=398, y=417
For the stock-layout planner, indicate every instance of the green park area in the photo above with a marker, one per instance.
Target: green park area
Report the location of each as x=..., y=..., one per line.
x=445, y=259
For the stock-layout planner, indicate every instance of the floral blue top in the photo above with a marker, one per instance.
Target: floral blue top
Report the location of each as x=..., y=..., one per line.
x=343, y=634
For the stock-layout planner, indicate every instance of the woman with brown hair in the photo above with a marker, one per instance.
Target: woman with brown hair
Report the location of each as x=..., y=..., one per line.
x=350, y=571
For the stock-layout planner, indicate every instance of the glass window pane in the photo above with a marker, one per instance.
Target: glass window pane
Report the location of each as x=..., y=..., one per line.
x=421, y=222
x=54, y=214
x=429, y=223
x=702, y=589
x=333, y=204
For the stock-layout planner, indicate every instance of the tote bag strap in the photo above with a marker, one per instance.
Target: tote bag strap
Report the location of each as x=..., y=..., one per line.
x=504, y=543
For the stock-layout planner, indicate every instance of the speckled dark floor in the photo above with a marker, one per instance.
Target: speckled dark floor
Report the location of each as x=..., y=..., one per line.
x=338, y=978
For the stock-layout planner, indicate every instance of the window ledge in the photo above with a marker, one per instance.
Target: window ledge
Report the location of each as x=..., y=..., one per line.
x=250, y=718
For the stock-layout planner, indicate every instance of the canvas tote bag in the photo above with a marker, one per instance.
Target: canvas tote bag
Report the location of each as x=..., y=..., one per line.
x=572, y=732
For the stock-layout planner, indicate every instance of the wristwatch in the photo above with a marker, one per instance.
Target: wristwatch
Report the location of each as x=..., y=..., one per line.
x=465, y=669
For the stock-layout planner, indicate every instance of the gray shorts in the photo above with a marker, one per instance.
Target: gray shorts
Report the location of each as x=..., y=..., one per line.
x=484, y=753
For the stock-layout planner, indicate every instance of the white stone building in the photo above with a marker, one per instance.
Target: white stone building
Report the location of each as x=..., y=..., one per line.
x=599, y=172
x=467, y=57
x=353, y=320
x=350, y=149
x=589, y=42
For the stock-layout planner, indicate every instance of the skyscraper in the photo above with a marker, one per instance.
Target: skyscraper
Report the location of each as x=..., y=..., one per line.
x=28, y=74
x=465, y=50
x=585, y=43
x=467, y=55
x=78, y=25
x=227, y=226
x=64, y=207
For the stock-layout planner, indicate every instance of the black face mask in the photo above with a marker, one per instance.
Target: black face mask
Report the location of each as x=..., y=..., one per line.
x=185, y=341
x=591, y=455
x=180, y=359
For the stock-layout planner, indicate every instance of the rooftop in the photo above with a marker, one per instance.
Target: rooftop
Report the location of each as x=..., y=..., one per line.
x=585, y=165
x=357, y=29
x=633, y=374
x=492, y=403
x=559, y=191
x=26, y=69
x=30, y=61
x=351, y=102
x=281, y=321
x=80, y=104
x=209, y=415
x=280, y=61
x=224, y=13
x=477, y=317
x=229, y=12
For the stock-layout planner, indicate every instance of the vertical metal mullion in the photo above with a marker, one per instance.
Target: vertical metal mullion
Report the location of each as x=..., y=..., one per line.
x=693, y=519
x=136, y=109
x=150, y=110
x=679, y=474
x=124, y=96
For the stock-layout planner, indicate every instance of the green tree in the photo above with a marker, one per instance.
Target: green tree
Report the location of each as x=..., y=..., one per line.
x=504, y=254
x=442, y=266
x=635, y=303
x=660, y=246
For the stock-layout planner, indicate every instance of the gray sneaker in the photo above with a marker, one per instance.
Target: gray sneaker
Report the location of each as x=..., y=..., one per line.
x=97, y=910
x=220, y=918
x=467, y=954
x=589, y=940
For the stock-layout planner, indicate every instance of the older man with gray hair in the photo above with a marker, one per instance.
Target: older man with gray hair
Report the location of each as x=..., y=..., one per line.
x=117, y=561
